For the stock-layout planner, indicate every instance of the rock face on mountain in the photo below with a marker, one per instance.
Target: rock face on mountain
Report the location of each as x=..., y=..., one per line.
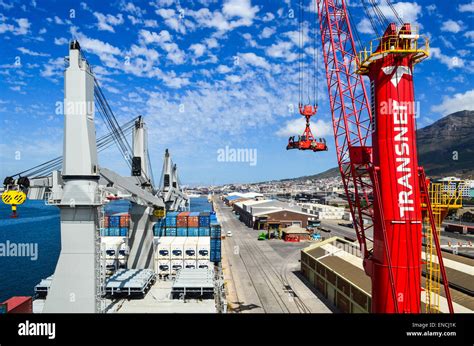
x=446, y=147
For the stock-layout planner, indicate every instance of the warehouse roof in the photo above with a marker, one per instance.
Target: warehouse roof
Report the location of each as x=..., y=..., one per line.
x=272, y=206
x=343, y=257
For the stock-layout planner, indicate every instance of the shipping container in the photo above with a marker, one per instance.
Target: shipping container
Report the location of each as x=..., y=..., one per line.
x=215, y=255
x=111, y=266
x=125, y=220
x=176, y=265
x=112, y=247
x=19, y=305
x=124, y=250
x=204, y=248
x=204, y=231
x=181, y=232
x=114, y=221
x=122, y=263
x=190, y=264
x=182, y=219
x=162, y=267
x=193, y=232
x=123, y=231
x=204, y=219
x=190, y=248
x=170, y=219
x=171, y=232
x=203, y=264
x=177, y=248
x=215, y=231
x=193, y=220
x=163, y=248
x=106, y=222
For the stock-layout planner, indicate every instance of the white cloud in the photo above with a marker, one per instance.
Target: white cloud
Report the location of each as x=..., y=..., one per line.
x=254, y=60
x=295, y=127
x=152, y=37
x=469, y=7
x=267, y=32
x=198, y=49
x=268, y=17
x=133, y=9
x=455, y=103
x=103, y=49
x=107, y=22
x=450, y=61
x=54, y=68
x=240, y=8
x=365, y=27
x=451, y=26
x=60, y=41
x=282, y=50
x=30, y=52
x=223, y=69
x=22, y=27
x=469, y=34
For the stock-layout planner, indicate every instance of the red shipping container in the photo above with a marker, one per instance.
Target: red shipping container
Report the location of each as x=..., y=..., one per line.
x=106, y=221
x=193, y=221
x=124, y=220
x=19, y=305
x=182, y=219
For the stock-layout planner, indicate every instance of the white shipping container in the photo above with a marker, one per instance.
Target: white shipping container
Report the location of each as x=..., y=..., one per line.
x=163, y=248
x=190, y=264
x=124, y=251
x=112, y=247
x=204, y=248
x=177, y=248
x=203, y=264
x=176, y=265
x=162, y=267
x=190, y=248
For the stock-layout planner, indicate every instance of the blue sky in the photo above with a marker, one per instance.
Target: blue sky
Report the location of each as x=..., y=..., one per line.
x=205, y=74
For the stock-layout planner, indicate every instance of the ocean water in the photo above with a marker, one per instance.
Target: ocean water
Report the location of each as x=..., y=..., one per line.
x=38, y=224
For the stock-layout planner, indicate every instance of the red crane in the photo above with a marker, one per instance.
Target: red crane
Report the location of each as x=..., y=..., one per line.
x=376, y=147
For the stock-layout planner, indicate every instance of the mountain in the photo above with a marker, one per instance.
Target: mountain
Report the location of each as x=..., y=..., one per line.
x=445, y=148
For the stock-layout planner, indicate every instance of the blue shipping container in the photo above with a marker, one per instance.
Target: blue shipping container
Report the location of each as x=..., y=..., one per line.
x=182, y=231
x=204, y=231
x=170, y=219
x=114, y=221
x=170, y=232
x=204, y=221
x=123, y=231
x=193, y=232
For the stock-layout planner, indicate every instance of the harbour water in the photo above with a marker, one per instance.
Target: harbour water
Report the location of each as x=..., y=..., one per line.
x=37, y=227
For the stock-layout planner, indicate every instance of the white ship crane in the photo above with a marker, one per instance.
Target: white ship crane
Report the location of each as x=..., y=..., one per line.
x=80, y=187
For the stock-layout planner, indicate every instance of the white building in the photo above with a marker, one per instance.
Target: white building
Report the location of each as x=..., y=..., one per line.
x=323, y=211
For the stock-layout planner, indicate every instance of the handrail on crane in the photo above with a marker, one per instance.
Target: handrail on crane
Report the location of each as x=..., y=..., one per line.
x=405, y=39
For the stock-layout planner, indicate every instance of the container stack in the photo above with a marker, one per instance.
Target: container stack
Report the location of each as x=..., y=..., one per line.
x=185, y=224
x=204, y=224
x=115, y=225
x=215, y=255
x=193, y=225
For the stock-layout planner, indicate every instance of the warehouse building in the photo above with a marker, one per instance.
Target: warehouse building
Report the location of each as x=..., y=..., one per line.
x=334, y=267
x=271, y=214
x=323, y=211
